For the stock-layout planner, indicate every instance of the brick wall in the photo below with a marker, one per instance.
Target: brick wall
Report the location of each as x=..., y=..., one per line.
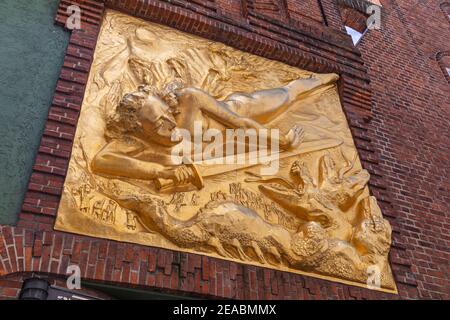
x=301, y=9
x=411, y=107
x=397, y=122
x=308, y=11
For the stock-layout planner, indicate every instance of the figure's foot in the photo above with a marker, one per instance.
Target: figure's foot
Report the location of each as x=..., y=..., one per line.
x=327, y=78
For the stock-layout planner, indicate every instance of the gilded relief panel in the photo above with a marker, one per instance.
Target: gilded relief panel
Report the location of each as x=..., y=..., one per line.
x=149, y=84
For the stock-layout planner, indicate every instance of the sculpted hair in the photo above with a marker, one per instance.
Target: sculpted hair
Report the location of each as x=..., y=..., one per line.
x=125, y=121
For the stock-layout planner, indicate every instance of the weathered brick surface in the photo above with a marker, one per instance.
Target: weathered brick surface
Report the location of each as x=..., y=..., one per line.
x=399, y=122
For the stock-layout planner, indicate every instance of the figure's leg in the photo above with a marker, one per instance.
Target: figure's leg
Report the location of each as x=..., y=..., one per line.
x=239, y=249
x=261, y=106
x=274, y=251
x=215, y=243
x=301, y=86
x=265, y=105
x=258, y=252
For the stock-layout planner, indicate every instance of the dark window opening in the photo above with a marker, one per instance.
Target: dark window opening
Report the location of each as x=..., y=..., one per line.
x=355, y=23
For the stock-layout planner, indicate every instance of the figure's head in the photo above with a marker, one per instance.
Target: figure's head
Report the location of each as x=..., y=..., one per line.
x=144, y=113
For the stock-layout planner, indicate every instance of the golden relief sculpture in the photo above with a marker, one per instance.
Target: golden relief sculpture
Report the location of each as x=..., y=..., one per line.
x=313, y=216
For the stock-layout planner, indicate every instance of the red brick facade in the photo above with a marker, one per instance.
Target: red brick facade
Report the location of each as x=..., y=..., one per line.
x=396, y=98
x=411, y=107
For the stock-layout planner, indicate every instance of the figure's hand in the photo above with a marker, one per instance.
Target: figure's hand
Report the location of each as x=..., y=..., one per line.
x=183, y=175
x=179, y=175
x=293, y=138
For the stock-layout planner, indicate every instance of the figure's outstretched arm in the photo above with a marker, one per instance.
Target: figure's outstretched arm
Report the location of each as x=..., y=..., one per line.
x=120, y=165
